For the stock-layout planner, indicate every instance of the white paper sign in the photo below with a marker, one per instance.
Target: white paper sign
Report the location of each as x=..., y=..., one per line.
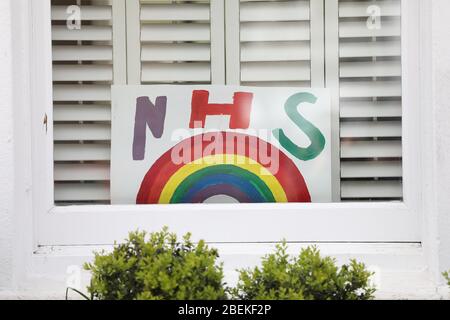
x=220, y=144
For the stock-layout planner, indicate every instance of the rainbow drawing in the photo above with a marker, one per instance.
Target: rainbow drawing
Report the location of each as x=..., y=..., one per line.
x=239, y=173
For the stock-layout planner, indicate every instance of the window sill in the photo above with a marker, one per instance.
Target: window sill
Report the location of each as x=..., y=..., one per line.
x=335, y=222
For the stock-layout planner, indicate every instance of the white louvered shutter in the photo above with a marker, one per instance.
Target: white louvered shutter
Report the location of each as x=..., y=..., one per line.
x=370, y=94
x=85, y=64
x=175, y=42
x=271, y=43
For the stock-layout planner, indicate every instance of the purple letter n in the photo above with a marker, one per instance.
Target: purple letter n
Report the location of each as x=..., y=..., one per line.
x=151, y=115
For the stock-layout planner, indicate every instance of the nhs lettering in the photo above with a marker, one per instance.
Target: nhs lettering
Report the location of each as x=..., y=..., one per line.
x=220, y=144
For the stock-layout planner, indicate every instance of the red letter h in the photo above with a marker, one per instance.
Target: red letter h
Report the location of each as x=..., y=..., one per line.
x=239, y=110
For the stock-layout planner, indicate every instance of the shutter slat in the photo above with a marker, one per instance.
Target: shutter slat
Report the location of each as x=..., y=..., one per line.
x=371, y=109
x=82, y=53
x=66, y=192
x=279, y=11
x=358, y=29
x=371, y=149
x=67, y=92
x=82, y=171
x=175, y=32
x=82, y=152
x=371, y=69
x=176, y=52
x=365, y=89
x=93, y=72
x=275, y=51
x=369, y=169
x=277, y=71
x=88, y=13
x=161, y=72
x=357, y=9
x=299, y=84
x=86, y=33
x=174, y=11
x=369, y=129
x=82, y=132
x=275, y=31
x=370, y=49
x=371, y=189
x=79, y=112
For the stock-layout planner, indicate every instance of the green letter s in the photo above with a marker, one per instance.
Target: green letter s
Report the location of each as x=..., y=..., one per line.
x=313, y=133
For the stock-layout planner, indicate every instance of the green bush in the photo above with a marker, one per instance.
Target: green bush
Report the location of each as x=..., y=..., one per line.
x=157, y=267
x=447, y=277
x=306, y=277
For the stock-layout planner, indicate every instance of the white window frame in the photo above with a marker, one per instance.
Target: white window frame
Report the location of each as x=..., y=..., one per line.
x=334, y=222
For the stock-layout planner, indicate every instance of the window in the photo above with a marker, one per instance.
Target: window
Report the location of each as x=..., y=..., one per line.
x=264, y=43
x=371, y=72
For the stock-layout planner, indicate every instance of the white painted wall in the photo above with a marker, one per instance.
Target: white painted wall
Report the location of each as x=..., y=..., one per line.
x=6, y=147
x=21, y=272
x=441, y=104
